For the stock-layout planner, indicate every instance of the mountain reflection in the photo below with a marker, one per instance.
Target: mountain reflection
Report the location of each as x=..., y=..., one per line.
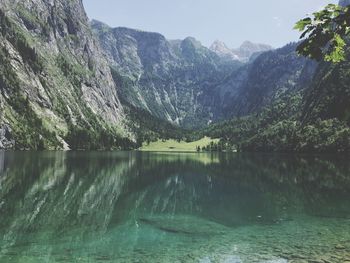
x=54, y=197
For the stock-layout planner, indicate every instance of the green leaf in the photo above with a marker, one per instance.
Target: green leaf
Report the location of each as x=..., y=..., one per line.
x=324, y=34
x=338, y=53
x=302, y=24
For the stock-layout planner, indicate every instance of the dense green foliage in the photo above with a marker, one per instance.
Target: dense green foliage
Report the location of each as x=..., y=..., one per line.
x=326, y=33
x=280, y=128
x=82, y=138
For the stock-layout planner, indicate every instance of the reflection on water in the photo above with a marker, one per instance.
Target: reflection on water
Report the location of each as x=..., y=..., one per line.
x=149, y=207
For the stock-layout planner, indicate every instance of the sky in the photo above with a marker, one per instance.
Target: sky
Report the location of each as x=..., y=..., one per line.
x=231, y=21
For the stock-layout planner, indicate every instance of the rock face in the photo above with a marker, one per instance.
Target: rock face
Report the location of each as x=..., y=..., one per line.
x=174, y=80
x=55, y=72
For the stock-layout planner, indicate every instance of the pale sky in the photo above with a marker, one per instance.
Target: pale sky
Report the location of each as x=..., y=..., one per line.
x=231, y=21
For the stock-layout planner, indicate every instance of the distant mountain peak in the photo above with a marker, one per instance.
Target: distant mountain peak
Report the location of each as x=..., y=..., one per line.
x=194, y=42
x=249, y=44
x=243, y=53
x=221, y=49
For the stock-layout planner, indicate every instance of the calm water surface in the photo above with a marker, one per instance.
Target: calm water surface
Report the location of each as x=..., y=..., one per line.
x=153, y=207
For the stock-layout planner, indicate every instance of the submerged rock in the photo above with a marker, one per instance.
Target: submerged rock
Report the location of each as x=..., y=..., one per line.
x=182, y=224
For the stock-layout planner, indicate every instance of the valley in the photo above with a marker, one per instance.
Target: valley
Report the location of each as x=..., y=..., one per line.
x=71, y=83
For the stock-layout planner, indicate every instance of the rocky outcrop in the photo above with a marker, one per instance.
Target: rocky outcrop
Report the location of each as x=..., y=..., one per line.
x=6, y=139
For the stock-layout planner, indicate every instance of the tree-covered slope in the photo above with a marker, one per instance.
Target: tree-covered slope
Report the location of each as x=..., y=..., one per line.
x=329, y=95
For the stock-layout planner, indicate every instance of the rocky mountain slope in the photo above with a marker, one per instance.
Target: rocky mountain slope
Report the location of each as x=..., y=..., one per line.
x=54, y=79
x=261, y=82
x=221, y=49
x=174, y=80
x=187, y=84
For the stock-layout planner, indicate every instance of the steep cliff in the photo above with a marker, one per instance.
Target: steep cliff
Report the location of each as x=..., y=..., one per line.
x=54, y=79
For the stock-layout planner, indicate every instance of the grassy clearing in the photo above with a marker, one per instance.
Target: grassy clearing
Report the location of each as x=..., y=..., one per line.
x=174, y=146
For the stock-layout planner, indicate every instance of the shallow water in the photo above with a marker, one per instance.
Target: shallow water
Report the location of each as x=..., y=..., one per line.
x=158, y=207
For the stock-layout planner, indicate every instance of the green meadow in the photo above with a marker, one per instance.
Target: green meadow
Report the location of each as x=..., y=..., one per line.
x=175, y=146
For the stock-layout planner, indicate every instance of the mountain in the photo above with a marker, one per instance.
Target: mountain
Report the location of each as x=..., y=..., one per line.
x=68, y=83
x=55, y=82
x=173, y=80
x=187, y=84
x=223, y=51
x=257, y=84
x=244, y=53
x=248, y=49
x=271, y=74
x=311, y=113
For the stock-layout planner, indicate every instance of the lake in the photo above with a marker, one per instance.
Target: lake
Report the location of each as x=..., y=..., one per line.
x=173, y=207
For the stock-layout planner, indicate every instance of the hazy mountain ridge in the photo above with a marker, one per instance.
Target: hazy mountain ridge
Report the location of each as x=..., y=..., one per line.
x=244, y=53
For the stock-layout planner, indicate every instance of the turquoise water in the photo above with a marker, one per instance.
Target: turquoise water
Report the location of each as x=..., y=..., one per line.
x=153, y=207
